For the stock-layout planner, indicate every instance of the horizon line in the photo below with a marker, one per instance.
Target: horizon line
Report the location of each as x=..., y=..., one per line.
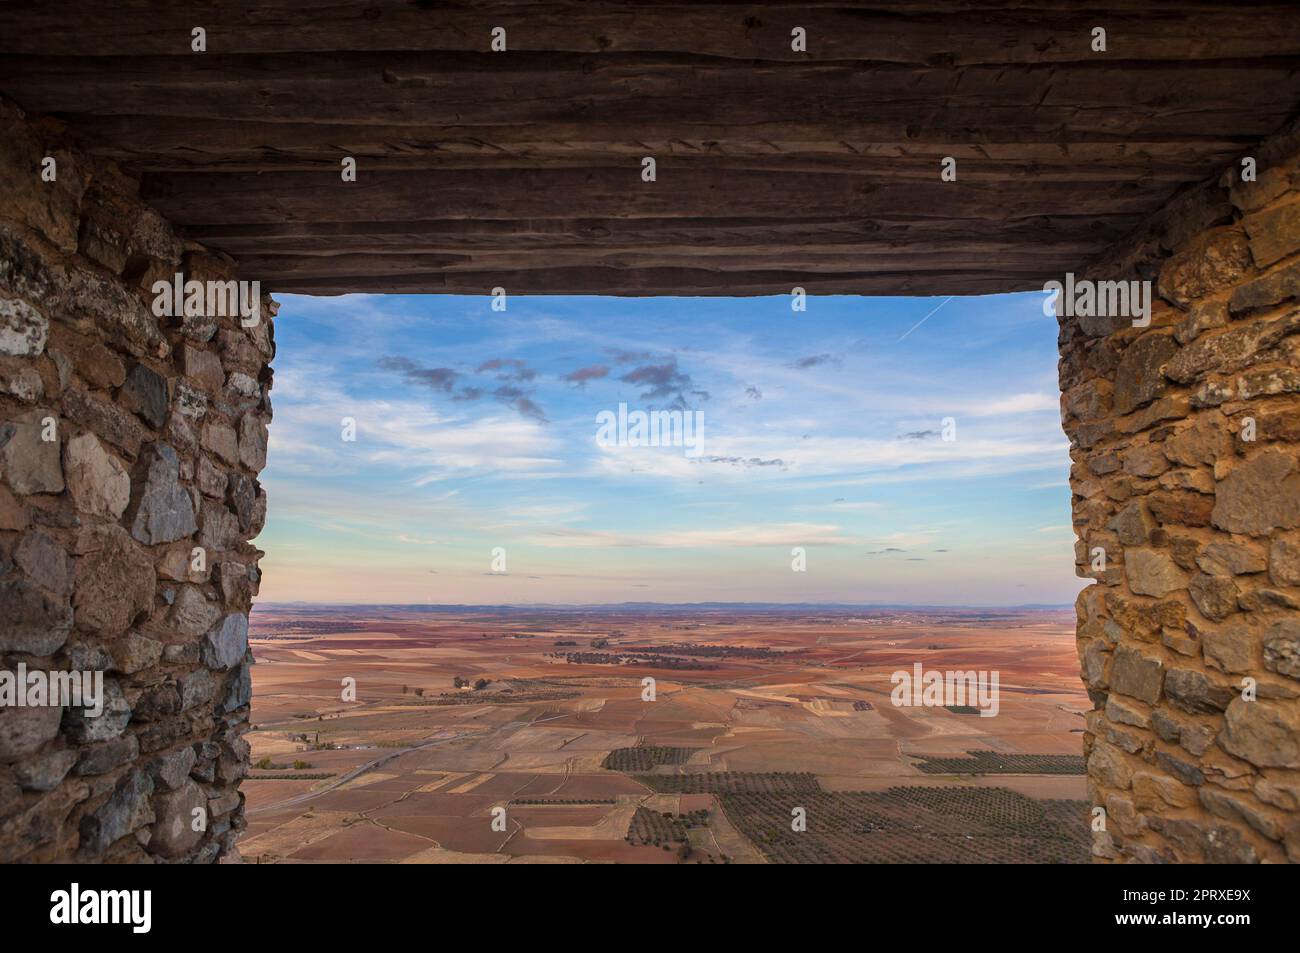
x=610, y=605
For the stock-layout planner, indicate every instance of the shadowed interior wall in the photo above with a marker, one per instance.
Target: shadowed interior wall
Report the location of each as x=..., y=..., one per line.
x=1185, y=438
x=129, y=452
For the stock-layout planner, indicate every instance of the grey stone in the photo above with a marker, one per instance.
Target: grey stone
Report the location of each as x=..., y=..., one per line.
x=158, y=703
x=33, y=621
x=241, y=494
x=191, y=403
x=227, y=643
x=186, y=653
x=243, y=386
x=106, y=420
x=239, y=689
x=30, y=463
x=252, y=442
x=203, y=367
x=1191, y=691
x=125, y=812
x=23, y=329
x=101, y=757
x=220, y=439
x=220, y=528
x=1183, y=770
x=145, y=393
x=81, y=726
x=232, y=578
x=114, y=582
x=192, y=615
x=199, y=327
x=163, y=511
x=212, y=479
x=135, y=653
x=45, y=562
x=24, y=730
x=174, y=833
x=45, y=771
x=171, y=769
x=197, y=688
x=1166, y=725
x=1133, y=524
x=99, y=484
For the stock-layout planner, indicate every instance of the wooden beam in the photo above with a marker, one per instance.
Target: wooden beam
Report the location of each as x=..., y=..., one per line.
x=931, y=33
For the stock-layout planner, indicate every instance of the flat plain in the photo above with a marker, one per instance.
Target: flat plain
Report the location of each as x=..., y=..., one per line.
x=767, y=735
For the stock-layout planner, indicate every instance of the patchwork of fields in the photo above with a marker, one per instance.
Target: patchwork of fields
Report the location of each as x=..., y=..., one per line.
x=493, y=736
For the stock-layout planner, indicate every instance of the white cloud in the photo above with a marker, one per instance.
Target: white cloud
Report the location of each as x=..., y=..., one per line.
x=775, y=534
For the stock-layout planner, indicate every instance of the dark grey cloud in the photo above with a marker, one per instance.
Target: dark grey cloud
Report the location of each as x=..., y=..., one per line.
x=527, y=408
x=813, y=360
x=443, y=380
x=435, y=378
x=753, y=393
x=630, y=357
x=887, y=549
x=918, y=435
x=591, y=372
x=665, y=382
x=507, y=369
x=520, y=401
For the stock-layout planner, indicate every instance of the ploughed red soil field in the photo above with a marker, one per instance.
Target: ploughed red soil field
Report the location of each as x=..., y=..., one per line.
x=686, y=734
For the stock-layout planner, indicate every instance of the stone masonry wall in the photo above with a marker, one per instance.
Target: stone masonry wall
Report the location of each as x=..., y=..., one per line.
x=129, y=452
x=1185, y=441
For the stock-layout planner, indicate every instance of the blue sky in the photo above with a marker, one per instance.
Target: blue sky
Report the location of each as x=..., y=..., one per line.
x=476, y=429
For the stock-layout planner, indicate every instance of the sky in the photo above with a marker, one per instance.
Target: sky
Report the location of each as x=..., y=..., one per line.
x=864, y=450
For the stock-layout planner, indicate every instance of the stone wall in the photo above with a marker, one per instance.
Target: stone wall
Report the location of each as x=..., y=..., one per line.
x=129, y=452
x=1185, y=441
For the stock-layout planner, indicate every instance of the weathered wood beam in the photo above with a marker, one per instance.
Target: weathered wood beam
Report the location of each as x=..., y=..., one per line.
x=228, y=198
x=174, y=145
x=664, y=281
x=913, y=33
x=1072, y=101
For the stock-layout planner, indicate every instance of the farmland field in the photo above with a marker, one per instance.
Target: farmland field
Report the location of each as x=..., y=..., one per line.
x=437, y=735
